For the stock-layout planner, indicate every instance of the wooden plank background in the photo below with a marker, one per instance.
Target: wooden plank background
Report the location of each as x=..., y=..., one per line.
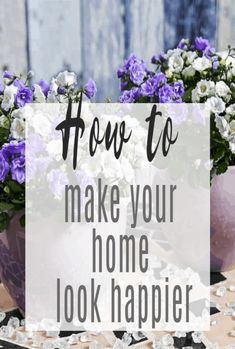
x=92, y=37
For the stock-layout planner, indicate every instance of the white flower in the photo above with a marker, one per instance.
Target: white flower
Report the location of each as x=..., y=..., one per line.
x=201, y=63
x=231, y=136
x=38, y=94
x=227, y=130
x=205, y=88
x=222, y=89
x=18, y=129
x=54, y=85
x=9, y=97
x=52, y=97
x=215, y=104
x=195, y=96
x=24, y=113
x=66, y=78
x=222, y=125
x=232, y=130
x=190, y=57
x=188, y=72
x=176, y=63
x=18, y=113
x=229, y=61
x=176, y=51
x=231, y=110
x=232, y=147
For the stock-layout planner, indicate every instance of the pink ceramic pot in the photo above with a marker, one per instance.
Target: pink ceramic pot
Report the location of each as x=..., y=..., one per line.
x=12, y=261
x=223, y=221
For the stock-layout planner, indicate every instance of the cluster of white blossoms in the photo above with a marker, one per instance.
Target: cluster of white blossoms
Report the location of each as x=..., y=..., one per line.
x=217, y=96
x=207, y=77
x=186, y=63
x=226, y=126
x=15, y=93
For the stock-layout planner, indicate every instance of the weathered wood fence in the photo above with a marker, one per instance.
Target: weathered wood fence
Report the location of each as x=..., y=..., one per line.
x=92, y=37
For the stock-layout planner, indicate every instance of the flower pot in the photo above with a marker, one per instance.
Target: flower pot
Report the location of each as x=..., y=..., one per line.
x=223, y=221
x=12, y=261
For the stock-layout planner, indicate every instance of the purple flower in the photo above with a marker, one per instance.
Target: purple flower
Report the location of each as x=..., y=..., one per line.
x=23, y=96
x=137, y=92
x=127, y=97
x=18, y=169
x=7, y=74
x=203, y=45
x=123, y=85
x=151, y=86
x=9, y=150
x=148, y=88
x=4, y=168
x=1, y=89
x=137, y=73
x=126, y=66
x=18, y=83
x=167, y=94
x=159, y=80
x=208, y=52
x=178, y=88
x=90, y=89
x=129, y=62
x=215, y=63
x=161, y=58
x=120, y=72
x=61, y=90
x=44, y=87
x=154, y=59
x=183, y=44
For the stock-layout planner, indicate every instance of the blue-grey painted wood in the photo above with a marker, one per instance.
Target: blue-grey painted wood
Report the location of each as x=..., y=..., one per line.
x=92, y=37
x=146, y=25
x=13, y=53
x=188, y=19
x=54, y=36
x=102, y=44
x=226, y=24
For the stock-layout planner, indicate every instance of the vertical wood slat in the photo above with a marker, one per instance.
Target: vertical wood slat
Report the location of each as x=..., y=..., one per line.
x=225, y=24
x=188, y=19
x=146, y=28
x=54, y=37
x=102, y=44
x=13, y=53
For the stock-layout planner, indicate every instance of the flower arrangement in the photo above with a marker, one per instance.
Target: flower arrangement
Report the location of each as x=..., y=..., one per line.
x=191, y=73
x=15, y=93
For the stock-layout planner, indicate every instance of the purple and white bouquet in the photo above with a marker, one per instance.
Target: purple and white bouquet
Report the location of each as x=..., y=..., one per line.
x=15, y=94
x=190, y=73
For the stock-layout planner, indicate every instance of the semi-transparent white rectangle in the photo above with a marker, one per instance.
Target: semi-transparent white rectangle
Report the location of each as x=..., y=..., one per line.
x=164, y=221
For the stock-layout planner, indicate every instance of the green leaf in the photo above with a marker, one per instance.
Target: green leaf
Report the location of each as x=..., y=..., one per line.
x=4, y=221
x=6, y=189
x=221, y=168
x=218, y=154
x=18, y=201
x=5, y=206
x=187, y=97
x=22, y=221
x=15, y=187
